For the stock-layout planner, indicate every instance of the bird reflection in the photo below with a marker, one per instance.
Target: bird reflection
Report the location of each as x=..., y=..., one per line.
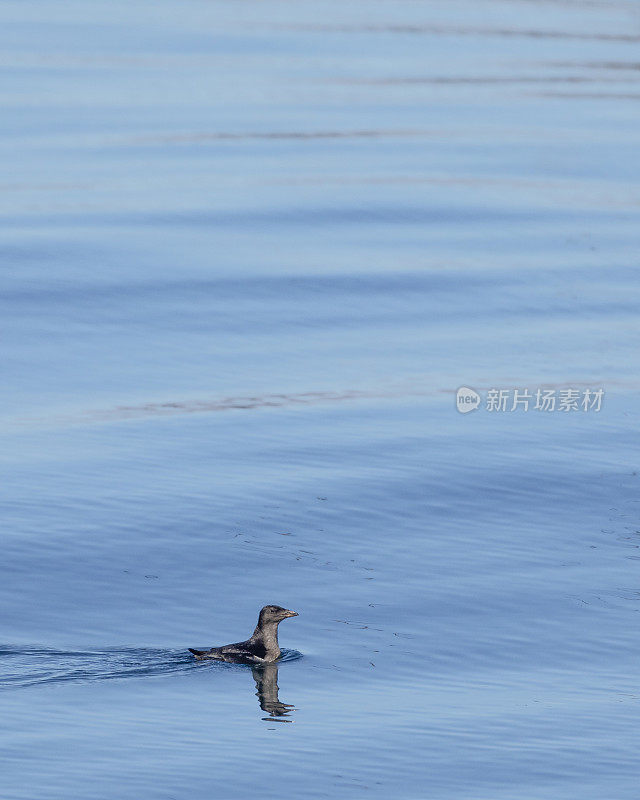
x=266, y=678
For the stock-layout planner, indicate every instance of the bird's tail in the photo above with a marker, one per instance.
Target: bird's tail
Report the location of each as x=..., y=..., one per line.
x=196, y=653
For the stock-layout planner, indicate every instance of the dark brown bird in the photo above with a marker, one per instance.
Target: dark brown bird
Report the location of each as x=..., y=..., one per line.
x=261, y=648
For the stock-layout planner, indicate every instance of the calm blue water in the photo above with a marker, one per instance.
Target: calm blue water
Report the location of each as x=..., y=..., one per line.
x=249, y=252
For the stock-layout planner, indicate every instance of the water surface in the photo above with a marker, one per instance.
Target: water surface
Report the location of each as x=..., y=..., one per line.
x=250, y=250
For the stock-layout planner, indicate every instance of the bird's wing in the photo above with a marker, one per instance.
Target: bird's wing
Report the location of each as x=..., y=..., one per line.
x=240, y=651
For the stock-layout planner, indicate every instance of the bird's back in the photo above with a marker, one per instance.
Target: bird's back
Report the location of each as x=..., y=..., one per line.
x=253, y=650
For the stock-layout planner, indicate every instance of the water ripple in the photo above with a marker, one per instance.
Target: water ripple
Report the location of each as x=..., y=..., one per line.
x=244, y=403
x=455, y=30
x=21, y=667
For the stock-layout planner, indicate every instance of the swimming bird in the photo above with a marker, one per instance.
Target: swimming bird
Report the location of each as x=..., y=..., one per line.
x=261, y=648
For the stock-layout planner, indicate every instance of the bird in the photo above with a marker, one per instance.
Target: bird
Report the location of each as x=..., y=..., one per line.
x=262, y=646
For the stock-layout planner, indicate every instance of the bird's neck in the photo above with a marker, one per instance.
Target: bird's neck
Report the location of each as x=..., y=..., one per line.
x=268, y=635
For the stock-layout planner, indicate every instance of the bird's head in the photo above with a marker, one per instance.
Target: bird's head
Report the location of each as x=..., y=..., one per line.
x=274, y=614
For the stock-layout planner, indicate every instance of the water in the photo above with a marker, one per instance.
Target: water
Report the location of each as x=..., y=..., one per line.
x=250, y=251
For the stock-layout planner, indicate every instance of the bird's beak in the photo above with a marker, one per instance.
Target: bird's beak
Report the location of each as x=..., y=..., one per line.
x=290, y=614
